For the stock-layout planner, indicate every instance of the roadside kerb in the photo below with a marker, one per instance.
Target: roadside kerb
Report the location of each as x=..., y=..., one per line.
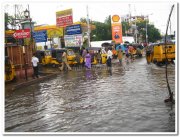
x=33, y=81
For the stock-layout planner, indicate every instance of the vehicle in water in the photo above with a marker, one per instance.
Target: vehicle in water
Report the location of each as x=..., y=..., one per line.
x=138, y=50
x=54, y=57
x=10, y=74
x=77, y=53
x=44, y=56
x=94, y=55
x=159, y=52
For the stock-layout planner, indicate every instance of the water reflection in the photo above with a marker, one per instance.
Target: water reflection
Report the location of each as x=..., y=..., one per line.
x=129, y=98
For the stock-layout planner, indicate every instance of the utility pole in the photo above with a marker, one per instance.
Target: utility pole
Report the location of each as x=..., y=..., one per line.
x=89, y=44
x=136, y=29
x=146, y=31
x=135, y=23
x=147, y=19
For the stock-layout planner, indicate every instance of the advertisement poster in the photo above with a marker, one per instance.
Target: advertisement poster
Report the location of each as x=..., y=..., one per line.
x=116, y=29
x=64, y=18
x=73, y=40
x=117, y=33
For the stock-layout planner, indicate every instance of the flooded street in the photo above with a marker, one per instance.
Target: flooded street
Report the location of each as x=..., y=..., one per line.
x=130, y=98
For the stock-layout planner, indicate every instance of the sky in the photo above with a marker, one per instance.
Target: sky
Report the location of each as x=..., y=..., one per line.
x=44, y=12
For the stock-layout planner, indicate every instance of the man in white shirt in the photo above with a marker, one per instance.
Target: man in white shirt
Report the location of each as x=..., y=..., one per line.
x=35, y=62
x=109, y=57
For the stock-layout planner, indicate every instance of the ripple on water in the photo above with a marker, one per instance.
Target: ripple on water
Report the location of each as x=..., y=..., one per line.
x=129, y=100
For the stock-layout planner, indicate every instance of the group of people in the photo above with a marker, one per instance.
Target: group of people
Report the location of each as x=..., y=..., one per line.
x=87, y=58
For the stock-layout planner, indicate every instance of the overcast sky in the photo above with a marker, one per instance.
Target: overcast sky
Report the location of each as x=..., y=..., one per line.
x=45, y=12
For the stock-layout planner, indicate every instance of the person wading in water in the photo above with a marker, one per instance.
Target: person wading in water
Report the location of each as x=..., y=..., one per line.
x=64, y=61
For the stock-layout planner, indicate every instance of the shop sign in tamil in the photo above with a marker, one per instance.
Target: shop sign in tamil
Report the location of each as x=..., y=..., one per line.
x=64, y=18
x=40, y=36
x=73, y=29
x=22, y=33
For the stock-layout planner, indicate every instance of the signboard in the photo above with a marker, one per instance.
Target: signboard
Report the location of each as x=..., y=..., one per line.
x=55, y=33
x=74, y=29
x=117, y=33
x=73, y=40
x=22, y=33
x=116, y=29
x=64, y=18
x=40, y=36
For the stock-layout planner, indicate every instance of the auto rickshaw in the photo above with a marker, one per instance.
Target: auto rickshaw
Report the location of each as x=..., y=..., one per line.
x=57, y=56
x=138, y=50
x=103, y=58
x=161, y=51
x=76, y=50
x=94, y=55
x=10, y=74
x=44, y=56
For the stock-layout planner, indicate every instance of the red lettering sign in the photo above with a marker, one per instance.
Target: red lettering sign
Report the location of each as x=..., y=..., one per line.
x=22, y=33
x=64, y=21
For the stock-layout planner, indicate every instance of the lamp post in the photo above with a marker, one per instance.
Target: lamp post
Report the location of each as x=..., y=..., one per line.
x=27, y=15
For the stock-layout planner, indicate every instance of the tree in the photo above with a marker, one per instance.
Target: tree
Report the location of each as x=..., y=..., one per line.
x=12, y=21
x=152, y=32
x=102, y=31
x=8, y=21
x=125, y=28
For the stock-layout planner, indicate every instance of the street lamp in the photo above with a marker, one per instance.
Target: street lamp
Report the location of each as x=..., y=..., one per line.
x=26, y=13
x=27, y=18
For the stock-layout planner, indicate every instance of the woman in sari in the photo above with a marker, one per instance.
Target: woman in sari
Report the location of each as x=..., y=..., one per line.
x=88, y=60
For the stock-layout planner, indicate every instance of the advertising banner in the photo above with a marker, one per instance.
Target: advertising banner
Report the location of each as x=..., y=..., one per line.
x=55, y=33
x=117, y=33
x=73, y=40
x=64, y=18
x=22, y=33
x=40, y=36
x=74, y=29
x=116, y=29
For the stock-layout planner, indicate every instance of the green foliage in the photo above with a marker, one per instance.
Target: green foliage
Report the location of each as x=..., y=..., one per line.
x=125, y=27
x=102, y=31
x=8, y=21
x=152, y=32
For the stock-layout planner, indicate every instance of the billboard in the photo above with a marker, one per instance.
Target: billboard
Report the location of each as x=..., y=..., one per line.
x=116, y=29
x=40, y=36
x=74, y=29
x=73, y=40
x=64, y=18
x=22, y=33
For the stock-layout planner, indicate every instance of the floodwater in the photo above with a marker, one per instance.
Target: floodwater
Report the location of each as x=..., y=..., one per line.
x=129, y=98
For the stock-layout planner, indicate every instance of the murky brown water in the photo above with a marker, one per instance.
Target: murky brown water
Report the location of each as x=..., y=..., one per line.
x=130, y=99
